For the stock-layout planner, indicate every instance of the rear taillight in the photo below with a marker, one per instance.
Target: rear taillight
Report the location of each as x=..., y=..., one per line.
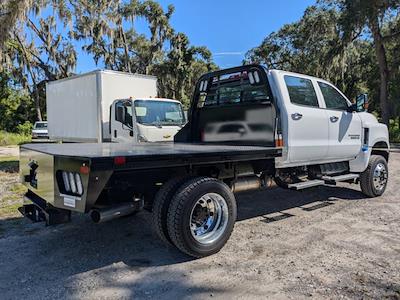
x=279, y=140
x=72, y=183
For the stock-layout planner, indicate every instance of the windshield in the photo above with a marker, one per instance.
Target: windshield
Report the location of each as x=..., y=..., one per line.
x=40, y=126
x=153, y=112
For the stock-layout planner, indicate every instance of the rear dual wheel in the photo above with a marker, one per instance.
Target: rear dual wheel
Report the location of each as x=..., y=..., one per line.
x=201, y=216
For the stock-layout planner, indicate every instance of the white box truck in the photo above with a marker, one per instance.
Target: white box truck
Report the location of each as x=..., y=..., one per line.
x=97, y=107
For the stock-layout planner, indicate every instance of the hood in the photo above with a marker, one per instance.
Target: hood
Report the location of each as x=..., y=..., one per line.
x=155, y=134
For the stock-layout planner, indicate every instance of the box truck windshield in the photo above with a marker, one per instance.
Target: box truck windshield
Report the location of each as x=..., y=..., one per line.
x=158, y=112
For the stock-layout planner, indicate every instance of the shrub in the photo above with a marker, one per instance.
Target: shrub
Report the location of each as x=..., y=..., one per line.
x=7, y=138
x=394, y=131
x=25, y=129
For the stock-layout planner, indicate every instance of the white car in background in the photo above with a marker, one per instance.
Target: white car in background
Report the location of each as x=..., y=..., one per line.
x=40, y=131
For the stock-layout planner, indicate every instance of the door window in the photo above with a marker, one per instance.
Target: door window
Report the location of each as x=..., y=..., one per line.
x=301, y=91
x=333, y=99
x=123, y=112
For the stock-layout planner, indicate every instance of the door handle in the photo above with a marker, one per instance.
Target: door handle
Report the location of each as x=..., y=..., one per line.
x=334, y=119
x=297, y=116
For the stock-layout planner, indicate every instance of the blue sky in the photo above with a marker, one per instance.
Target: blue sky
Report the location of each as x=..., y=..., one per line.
x=227, y=27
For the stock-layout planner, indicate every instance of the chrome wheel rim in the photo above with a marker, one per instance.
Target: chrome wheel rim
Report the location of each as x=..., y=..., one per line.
x=209, y=218
x=380, y=177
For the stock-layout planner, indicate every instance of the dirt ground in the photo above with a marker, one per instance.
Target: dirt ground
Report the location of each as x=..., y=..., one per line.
x=9, y=151
x=326, y=242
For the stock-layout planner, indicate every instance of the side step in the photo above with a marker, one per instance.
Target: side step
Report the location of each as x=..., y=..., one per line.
x=332, y=180
x=305, y=184
x=345, y=177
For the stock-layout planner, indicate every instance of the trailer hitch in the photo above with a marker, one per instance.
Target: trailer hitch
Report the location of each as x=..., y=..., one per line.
x=37, y=211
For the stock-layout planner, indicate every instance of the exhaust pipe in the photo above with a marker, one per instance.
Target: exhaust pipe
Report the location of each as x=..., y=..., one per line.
x=116, y=211
x=248, y=183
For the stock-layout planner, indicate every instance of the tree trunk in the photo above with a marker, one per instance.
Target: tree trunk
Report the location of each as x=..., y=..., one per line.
x=380, y=52
x=126, y=51
x=33, y=77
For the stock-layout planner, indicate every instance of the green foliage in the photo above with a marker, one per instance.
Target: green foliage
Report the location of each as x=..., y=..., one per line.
x=7, y=138
x=394, y=130
x=336, y=40
x=43, y=48
x=16, y=106
x=25, y=129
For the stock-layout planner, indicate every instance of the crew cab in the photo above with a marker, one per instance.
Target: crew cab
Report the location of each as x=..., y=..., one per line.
x=247, y=127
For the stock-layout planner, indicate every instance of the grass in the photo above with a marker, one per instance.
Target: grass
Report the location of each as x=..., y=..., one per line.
x=8, y=139
x=10, y=210
x=11, y=191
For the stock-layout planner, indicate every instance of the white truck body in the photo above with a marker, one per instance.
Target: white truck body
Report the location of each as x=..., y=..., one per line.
x=315, y=135
x=247, y=126
x=78, y=108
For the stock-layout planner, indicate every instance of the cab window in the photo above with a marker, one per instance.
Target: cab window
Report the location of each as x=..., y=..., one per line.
x=123, y=112
x=301, y=91
x=333, y=99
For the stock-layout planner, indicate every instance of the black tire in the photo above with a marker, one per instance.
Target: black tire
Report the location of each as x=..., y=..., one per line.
x=161, y=204
x=367, y=179
x=180, y=210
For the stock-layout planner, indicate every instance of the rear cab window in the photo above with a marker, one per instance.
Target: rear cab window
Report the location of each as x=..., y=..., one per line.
x=234, y=88
x=333, y=99
x=234, y=106
x=301, y=91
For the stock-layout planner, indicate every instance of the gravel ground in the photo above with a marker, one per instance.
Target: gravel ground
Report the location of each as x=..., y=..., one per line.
x=326, y=242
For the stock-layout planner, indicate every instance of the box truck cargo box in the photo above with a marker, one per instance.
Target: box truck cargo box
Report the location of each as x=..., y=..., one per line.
x=78, y=108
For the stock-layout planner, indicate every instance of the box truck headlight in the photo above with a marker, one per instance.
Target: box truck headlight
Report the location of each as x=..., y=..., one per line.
x=72, y=182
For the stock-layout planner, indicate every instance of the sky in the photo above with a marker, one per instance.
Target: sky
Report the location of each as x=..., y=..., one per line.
x=228, y=28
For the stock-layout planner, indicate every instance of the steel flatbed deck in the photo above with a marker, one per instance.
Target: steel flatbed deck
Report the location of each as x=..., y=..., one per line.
x=140, y=156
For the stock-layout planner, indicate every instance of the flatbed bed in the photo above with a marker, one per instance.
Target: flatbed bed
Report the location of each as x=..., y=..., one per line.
x=139, y=156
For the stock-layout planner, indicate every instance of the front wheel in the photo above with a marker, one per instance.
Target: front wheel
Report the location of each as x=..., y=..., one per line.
x=201, y=216
x=373, y=180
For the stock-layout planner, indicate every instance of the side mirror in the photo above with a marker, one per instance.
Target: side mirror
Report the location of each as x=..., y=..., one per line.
x=120, y=114
x=361, y=103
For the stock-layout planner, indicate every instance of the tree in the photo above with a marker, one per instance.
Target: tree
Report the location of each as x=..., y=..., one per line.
x=48, y=56
x=108, y=33
x=15, y=106
x=11, y=12
x=358, y=15
x=39, y=49
x=181, y=68
x=315, y=45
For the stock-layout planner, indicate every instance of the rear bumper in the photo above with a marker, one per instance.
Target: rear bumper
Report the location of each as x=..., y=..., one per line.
x=38, y=210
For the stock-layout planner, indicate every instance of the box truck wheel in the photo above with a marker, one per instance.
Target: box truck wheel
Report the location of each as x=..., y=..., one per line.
x=201, y=216
x=161, y=204
x=374, y=179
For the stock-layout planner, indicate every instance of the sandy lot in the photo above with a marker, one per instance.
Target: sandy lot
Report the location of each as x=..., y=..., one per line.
x=326, y=242
x=9, y=151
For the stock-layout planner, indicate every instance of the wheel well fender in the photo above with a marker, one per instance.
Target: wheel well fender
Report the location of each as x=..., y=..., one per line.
x=381, y=148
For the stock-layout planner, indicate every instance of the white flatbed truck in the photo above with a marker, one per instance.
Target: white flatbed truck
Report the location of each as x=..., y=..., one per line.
x=247, y=126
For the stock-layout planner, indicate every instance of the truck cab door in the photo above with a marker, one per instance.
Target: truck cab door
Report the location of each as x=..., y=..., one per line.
x=306, y=121
x=122, y=123
x=345, y=127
